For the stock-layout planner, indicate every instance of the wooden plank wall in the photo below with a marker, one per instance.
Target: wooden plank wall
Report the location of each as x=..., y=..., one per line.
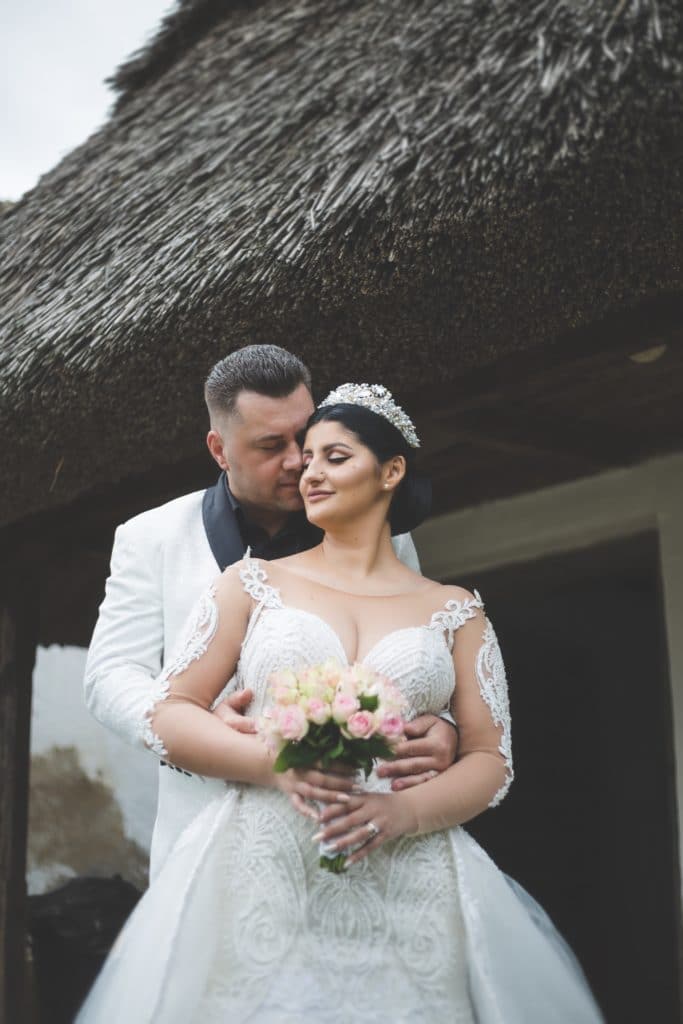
x=18, y=624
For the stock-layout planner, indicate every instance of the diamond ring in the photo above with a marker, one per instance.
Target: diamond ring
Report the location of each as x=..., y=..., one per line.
x=372, y=829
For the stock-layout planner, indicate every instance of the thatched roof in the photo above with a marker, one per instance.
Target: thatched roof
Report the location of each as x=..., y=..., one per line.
x=402, y=189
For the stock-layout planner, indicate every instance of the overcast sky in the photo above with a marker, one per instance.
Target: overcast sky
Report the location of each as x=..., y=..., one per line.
x=56, y=55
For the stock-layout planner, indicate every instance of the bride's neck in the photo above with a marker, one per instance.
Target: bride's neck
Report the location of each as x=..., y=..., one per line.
x=356, y=554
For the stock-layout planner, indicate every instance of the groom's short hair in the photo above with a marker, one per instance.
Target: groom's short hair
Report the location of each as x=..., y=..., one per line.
x=266, y=369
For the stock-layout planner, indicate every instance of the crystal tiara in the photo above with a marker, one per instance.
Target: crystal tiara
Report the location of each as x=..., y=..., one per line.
x=377, y=399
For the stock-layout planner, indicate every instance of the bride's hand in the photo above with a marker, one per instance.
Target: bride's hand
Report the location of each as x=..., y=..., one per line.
x=370, y=819
x=232, y=710
x=325, y=787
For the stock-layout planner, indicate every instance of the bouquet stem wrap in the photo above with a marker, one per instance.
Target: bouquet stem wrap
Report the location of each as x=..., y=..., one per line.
x=331, y=859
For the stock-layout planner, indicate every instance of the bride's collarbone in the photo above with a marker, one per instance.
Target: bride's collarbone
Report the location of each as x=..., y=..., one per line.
x=291, y=581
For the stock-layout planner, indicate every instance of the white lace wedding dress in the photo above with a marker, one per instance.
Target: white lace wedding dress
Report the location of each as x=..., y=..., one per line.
x=241, y=925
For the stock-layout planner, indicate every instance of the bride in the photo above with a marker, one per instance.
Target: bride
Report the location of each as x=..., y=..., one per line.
x=242, y=924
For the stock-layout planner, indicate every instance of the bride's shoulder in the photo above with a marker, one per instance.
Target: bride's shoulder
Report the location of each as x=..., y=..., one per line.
x=252, y=579
x=233, y=583
x=235, y=571
x=282, y=569
x=452, y=592
x=289, y=561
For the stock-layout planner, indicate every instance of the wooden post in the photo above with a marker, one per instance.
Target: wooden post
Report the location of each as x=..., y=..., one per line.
x=18, y=628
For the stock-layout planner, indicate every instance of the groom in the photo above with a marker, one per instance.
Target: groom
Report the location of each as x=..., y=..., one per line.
x=259, y=399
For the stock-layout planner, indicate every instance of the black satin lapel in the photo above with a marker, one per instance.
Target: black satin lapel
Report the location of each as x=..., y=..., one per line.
x=220, y=526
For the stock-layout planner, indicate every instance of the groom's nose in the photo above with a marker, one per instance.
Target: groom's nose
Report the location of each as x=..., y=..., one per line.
x=292, y=458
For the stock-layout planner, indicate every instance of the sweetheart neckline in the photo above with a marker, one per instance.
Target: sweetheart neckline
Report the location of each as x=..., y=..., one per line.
x=255, y=581
x=356, y=661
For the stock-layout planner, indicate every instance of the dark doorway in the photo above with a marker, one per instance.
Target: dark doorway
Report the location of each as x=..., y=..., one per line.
x=590, y=824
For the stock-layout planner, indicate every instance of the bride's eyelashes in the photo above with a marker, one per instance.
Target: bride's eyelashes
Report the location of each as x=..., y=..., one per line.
x=335, y=460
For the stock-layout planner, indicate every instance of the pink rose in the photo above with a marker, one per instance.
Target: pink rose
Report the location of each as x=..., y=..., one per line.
x=284, y=694
x=318, y=710
x=391, y=698
x=361, y=725
x=291, y=722
x=270, y=733
x=330, y=672
x=391, y=726
x=284, y=687
x=361, y=677
x=343, y=705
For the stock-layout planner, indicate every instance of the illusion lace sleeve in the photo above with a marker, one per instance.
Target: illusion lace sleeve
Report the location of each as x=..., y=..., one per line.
x=180, y=727
x=493, y=688
x=482, y=774
x=199, y=631
x=480, y=703
x=197, y=687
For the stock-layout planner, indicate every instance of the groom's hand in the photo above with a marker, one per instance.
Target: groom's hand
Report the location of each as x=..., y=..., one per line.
x=429, y=748
x=231, y=711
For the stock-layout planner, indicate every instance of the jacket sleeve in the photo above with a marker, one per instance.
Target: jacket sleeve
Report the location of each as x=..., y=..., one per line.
x=126, y=651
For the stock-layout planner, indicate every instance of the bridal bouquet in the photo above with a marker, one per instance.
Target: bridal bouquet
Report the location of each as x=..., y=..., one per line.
x=326, y=713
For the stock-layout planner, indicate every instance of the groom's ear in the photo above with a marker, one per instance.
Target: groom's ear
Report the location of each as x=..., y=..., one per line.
x=214, y=443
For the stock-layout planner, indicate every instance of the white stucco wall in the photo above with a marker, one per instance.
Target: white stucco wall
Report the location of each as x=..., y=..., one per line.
x=92, y=797
x=571, y=516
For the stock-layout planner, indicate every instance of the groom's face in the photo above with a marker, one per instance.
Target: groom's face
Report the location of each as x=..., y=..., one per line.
x=260, y=451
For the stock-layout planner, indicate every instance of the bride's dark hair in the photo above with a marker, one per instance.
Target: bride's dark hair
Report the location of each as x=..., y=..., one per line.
x=412, y=501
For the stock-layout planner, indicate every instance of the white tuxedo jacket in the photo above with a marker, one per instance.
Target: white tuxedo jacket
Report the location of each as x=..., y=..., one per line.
x=161, y=563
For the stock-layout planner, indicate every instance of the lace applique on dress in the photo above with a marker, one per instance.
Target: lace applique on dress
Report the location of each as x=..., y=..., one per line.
x=200, y=631
x=455, y=614
x=494, y=691
x=255, y=582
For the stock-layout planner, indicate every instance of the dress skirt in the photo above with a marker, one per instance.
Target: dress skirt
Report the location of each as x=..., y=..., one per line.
x=241, y=924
